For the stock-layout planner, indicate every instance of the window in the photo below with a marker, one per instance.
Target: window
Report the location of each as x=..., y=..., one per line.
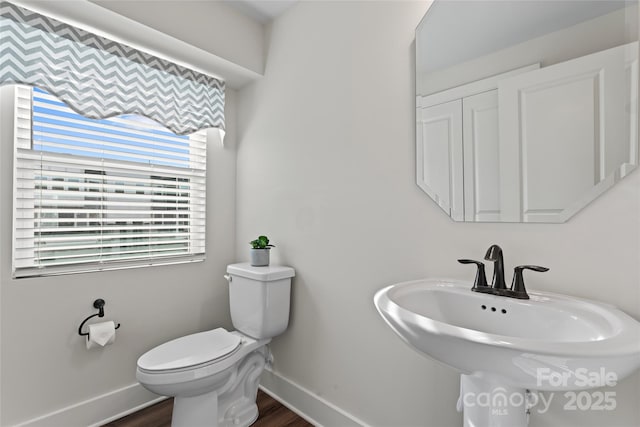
x=100, y=194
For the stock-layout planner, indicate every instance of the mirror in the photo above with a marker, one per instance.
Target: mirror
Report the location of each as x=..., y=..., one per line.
x=526, y=110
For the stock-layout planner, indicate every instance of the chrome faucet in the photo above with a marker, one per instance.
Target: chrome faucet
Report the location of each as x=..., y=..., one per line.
x=494, y=253
x=498, y=285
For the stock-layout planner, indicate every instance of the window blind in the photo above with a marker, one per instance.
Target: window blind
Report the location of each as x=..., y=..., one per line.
x=101, y=194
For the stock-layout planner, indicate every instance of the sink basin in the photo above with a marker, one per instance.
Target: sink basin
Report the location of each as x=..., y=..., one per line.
x=549, y=342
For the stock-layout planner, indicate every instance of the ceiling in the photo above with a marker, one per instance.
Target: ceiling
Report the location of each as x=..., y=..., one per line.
x=262, y=10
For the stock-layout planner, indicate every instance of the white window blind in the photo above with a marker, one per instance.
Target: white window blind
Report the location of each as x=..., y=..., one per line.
x=101, y=194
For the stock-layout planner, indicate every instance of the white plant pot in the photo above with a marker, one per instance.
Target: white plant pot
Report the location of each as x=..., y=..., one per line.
x=259, y=257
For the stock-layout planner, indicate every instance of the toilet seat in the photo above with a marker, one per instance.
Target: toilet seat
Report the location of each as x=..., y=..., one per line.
x=190, y=352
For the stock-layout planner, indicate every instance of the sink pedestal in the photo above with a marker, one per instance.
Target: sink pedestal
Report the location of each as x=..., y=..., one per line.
x=486, y=401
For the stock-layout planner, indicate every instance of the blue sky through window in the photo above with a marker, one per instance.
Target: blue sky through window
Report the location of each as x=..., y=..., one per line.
x=58, y=129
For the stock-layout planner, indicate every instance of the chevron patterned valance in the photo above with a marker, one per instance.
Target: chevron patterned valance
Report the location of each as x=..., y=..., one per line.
x=101, y=78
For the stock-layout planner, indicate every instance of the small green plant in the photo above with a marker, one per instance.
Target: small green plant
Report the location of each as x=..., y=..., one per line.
x=262, y=242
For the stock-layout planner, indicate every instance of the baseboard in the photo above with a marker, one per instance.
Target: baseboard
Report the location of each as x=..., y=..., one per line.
x=98, y=410
x=303, y=402
x=118, y=403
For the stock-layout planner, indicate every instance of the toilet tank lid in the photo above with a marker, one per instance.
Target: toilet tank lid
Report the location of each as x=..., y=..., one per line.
x=263, y=274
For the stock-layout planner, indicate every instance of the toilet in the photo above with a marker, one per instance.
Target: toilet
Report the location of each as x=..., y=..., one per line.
x=214, y=375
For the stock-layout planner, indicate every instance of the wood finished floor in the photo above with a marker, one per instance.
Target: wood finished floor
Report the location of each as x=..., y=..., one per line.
x=272, y=414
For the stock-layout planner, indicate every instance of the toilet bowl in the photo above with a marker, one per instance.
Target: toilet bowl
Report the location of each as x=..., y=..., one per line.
x=214, y=375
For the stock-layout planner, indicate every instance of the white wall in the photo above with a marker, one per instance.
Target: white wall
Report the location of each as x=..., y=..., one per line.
x=326, y=168
x=45, y=365
x=213, y=26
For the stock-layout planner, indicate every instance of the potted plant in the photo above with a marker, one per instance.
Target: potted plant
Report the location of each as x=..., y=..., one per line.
x=260, y=248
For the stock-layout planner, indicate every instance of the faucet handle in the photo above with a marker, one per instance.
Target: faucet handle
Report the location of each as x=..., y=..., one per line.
x=517, y=286
x=532, y=267
x=481, y=278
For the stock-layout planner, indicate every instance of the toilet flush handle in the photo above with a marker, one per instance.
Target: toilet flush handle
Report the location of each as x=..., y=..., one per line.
x=228, y=277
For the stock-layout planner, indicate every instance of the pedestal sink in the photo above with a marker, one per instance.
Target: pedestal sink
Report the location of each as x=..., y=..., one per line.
x=505, y=348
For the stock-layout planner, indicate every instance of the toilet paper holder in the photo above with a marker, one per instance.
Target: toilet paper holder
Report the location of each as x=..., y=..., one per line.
x=99, y=304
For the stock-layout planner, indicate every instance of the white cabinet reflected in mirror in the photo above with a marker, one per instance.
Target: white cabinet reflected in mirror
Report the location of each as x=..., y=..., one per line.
x=526, y=111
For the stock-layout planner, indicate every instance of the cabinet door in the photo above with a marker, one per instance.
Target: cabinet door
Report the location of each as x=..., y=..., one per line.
x=439, y=155
x=481, y=159
x=561, y=129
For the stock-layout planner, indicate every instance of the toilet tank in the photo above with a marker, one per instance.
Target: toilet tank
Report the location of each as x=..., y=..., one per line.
x=259, y=298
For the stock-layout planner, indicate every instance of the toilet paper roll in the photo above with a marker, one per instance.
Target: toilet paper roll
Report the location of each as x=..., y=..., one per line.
x=101, y=334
